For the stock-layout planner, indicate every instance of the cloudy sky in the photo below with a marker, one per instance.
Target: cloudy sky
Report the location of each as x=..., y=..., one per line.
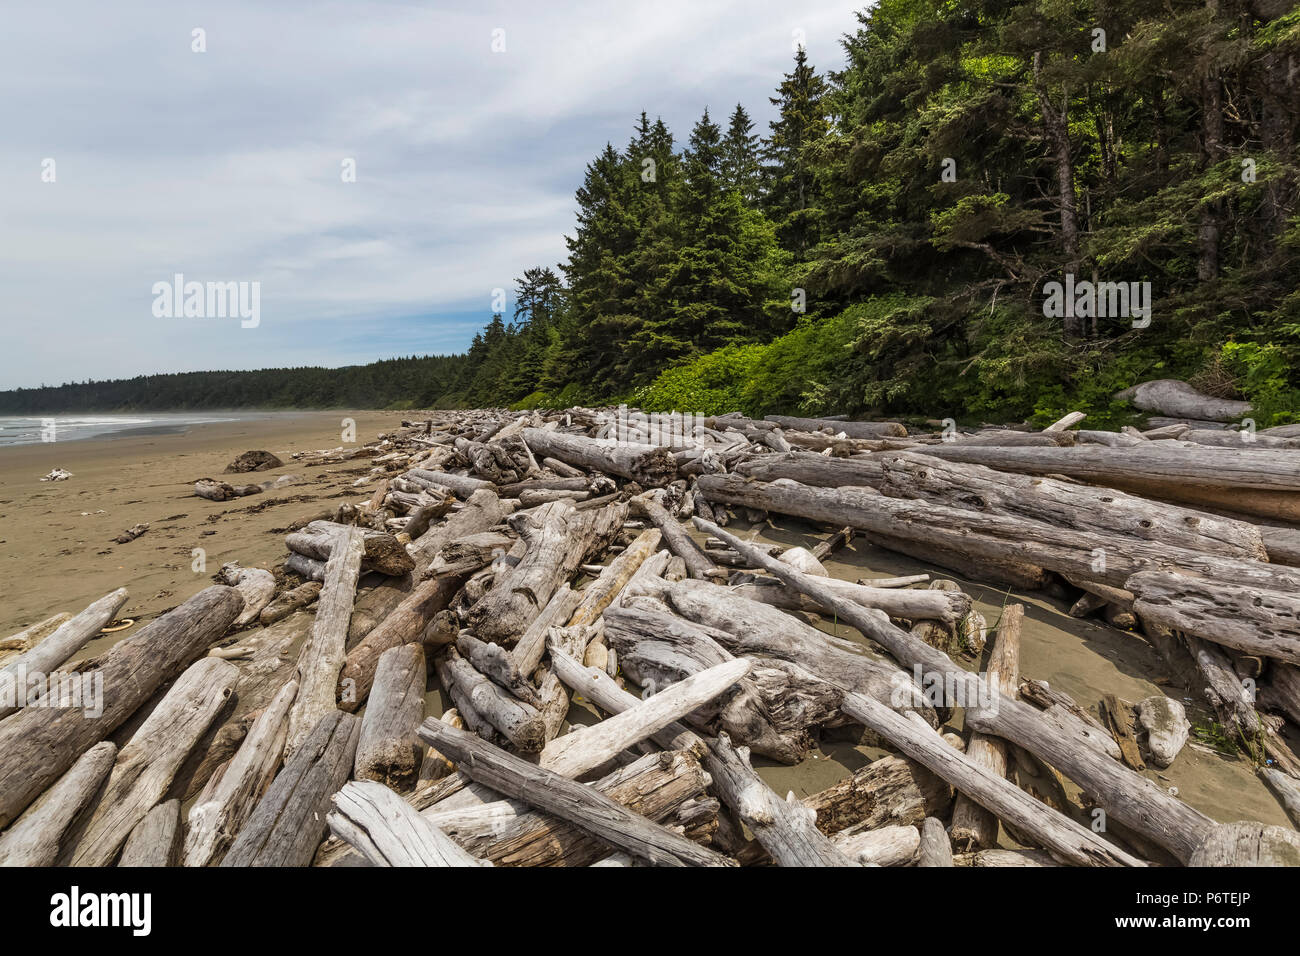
x=227, y=165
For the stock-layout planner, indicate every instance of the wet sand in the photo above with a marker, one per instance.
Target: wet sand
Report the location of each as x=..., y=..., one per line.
x=55, y=558
x=56, y=537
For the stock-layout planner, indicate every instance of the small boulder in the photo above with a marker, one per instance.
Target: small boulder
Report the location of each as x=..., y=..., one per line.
x=1166, y=725
x=254, y=461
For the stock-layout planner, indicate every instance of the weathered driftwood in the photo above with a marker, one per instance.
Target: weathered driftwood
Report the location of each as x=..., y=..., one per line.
x=145, y=766
x=483, y=511
x=1280, y=690
x=527, y=653
x=786, y=828
x=288, y=602
x=1249, y=481
x=45, y=657
x=851, y=429
x=648, y=465
x=561, y=797
x=935, y=849
x=388, y=832
x=487, y=707
x=1250, y=619
x=156, y=840
x=980, y=536
x=1131, y=799
x=972, y=825
x=382, y=552
x=759, y=629
x=39, y=743
x=1061, y=835
x=288, y=823
x=558, y=540
x=888, y=846
x=1179, y=400
x=462, y=485
x=35, y=838
x=221, y=491
x=257, y=585
x=592, y=746
x=323, y=655
x=387, y=750
x=1066, y=505
x=404, y=625
x=910, y=604
x=598, y=595
x=769, y=711
x=230, y=795
x=1286, y=789
x=676, y=537
x=29, y=637
x=1248, y=844
x=666, y=787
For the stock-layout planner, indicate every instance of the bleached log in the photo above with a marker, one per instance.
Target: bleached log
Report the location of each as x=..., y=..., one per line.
x=851, y=429
x=39, y=743
x=935, y=849
x=45, y=657
x=404, y=625
x=972, y=825
x=650, y=466
x=786, y=828
x=29, y=637
x=324, y=653
x=382, y=552
x=527, y=653
x=486, y=707
x=1248, y=844
x=387, y=750
x=676, y=537
x=563, y=798
x=598, y=595
x=1179, y=400
x=889, y=846
x=145, y=766
x=388, y=832
x=228, y=798
x=35, y=838
x=1286, y=789
x=288, y=602
x=592, y=746
x=926, y=605
x=288, y=823
x=156, y=840
x=462, y=485
x=483, y=511
x=256, y=585
x=558, y=541
x=1061, y=424
x=1131, y=799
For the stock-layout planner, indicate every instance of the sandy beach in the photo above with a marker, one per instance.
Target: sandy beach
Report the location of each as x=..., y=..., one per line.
x=57, y=554
x=56, y=538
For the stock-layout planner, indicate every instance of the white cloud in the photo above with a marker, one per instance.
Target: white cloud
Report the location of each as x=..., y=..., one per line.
x=226, y=164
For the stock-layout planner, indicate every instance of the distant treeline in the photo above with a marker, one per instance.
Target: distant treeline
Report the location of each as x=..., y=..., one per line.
x=888, y=245
x=430, y=381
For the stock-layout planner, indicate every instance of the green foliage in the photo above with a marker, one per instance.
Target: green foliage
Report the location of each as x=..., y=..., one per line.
x=1263, y=375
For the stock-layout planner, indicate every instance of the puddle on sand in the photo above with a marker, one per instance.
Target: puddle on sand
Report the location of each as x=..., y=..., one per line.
x=1084, y=658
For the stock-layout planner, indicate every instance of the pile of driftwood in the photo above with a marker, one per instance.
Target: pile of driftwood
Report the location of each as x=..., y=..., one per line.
x=546, y=567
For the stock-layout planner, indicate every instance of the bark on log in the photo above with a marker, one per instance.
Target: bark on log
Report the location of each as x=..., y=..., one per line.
x=36, y=837
x=324, y=653
x=650, y=466
x=387, y=750
x=145, y=766
x=288, y=823
x=561, y=797
x=38, y=744
x=229, y=797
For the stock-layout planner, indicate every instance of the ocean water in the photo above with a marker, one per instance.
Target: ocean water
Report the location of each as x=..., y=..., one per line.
x=60, y=428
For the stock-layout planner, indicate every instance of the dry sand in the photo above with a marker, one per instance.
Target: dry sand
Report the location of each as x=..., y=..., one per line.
x=55, y=558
